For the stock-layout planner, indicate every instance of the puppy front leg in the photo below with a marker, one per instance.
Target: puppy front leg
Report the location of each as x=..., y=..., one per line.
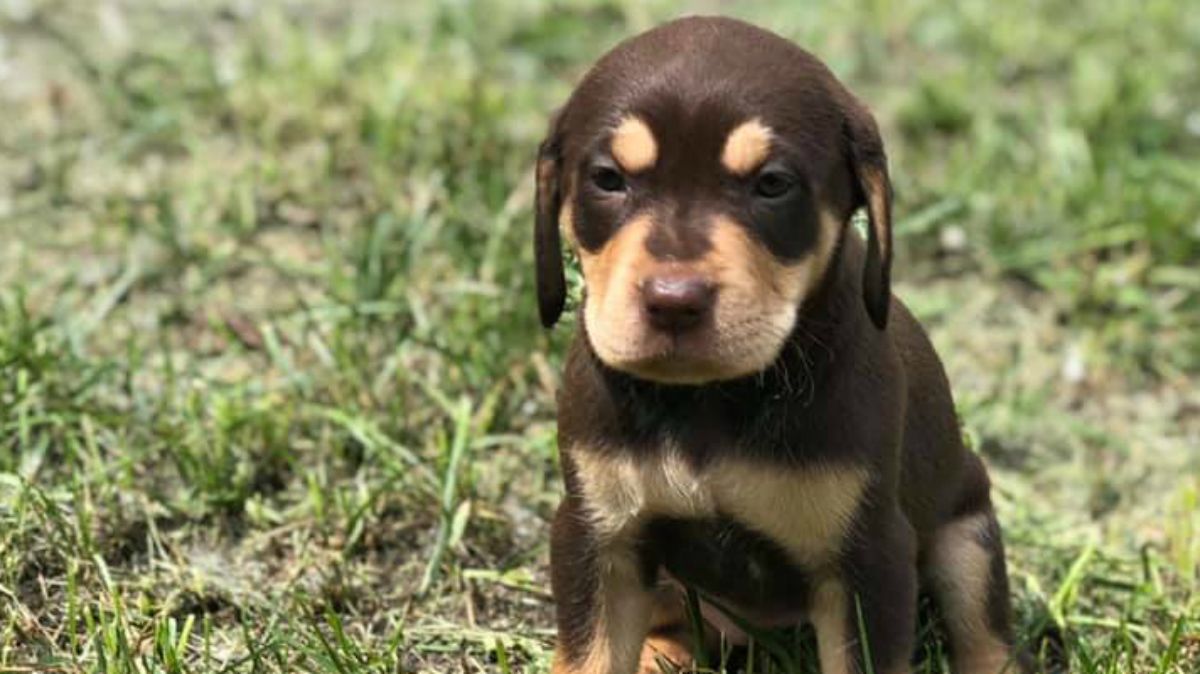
x=869, y=609
x=602, y=598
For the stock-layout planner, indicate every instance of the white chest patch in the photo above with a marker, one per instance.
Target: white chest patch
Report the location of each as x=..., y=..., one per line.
x=805, y=510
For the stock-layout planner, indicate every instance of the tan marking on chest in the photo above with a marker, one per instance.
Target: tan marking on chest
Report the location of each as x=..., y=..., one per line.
x=621, y=492
x=805, y=510
x=634, y=146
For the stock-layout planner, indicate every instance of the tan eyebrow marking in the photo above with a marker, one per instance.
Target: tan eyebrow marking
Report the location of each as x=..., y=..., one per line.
x=746, y=147
x=633, y=145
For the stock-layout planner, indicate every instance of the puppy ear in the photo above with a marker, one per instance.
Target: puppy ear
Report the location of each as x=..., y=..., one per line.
x=874, y=190
x=547, y=247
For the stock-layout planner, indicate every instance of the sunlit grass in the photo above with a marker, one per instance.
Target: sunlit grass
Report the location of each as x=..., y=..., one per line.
x=273, y=396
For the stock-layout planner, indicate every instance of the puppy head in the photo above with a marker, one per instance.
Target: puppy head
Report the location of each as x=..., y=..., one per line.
x=704, y=172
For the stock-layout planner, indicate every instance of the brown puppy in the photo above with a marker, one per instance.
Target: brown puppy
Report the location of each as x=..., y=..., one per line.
x=747, y=409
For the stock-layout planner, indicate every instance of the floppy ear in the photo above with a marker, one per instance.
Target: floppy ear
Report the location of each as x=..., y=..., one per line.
x=869, y=165
x=547, y=248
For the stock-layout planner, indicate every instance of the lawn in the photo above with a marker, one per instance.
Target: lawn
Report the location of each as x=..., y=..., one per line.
x=274, y=398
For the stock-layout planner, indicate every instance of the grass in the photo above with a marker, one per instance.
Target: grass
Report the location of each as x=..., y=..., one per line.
x=273, y=396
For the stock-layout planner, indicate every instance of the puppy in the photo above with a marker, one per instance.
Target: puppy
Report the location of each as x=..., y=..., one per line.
x=746, y=409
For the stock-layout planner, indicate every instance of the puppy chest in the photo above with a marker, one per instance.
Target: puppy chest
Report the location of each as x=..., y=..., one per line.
x=805, y=510
x=727, y=561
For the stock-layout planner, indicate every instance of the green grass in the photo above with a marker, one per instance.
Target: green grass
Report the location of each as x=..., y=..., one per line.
x=273, y=396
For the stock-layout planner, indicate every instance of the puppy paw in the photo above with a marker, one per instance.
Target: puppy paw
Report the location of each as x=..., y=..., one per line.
x=672, y=651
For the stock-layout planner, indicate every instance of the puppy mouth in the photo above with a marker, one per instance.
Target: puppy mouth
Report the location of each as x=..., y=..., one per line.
x=653, y=354
x=733, y=338
x=690, y=357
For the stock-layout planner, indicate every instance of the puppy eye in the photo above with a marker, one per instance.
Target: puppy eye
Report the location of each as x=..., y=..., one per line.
x=772, y=184
x=608, y=179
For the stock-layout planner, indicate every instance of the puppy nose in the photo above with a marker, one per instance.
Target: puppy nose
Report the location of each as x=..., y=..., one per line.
x=677, y=303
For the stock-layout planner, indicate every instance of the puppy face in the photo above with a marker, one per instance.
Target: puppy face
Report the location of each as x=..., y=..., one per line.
x=703, y=172
x=699, y=237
